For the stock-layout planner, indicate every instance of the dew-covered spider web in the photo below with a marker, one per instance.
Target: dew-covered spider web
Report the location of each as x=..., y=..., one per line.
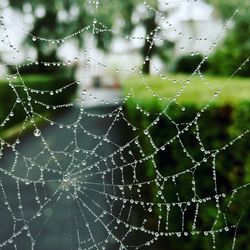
x=79, y=179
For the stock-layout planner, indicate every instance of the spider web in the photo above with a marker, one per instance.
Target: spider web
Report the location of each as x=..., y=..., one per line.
x=78, y=185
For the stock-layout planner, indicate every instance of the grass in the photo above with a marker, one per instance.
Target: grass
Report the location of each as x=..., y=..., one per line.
x=198, y=91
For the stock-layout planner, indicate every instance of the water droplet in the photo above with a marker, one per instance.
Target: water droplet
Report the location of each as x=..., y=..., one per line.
x=66, y=178
x=37, y=132
x=178, y=234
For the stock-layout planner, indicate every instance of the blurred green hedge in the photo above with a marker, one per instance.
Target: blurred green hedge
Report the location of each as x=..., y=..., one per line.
x=218, y=125
x=189, y=63
x=35, y=84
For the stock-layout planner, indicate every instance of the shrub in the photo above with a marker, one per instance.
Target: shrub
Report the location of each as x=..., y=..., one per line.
x=188, y=63
x=235, y=46
x=8, y=96
x=220, y=124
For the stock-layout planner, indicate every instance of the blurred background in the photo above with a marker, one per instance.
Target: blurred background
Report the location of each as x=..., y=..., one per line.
x=96, y=53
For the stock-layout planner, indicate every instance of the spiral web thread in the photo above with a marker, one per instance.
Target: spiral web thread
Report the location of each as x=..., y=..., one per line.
x=101, y=196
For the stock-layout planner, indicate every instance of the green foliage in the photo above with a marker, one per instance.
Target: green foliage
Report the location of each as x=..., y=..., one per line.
x=235, y=48
x=112, y=14
x=35, y=82
x=218, y=125
x=198, y=91
x=227, y=7
x=188, y=64
x=232, y=53
x=79, y=14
